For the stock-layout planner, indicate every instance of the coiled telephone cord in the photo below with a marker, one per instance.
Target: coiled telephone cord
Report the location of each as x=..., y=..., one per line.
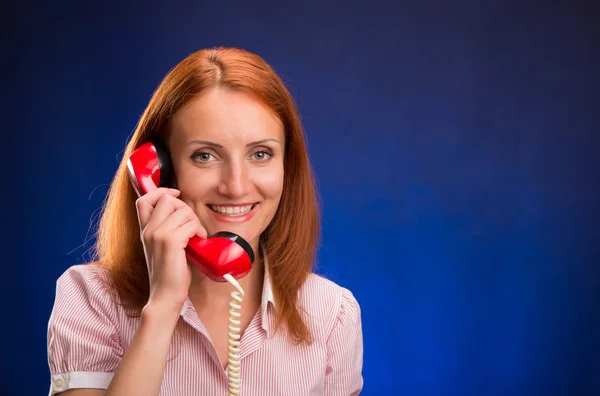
x=233, y=337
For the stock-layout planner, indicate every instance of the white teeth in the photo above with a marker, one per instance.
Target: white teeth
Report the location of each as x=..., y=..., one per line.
x=231, y=210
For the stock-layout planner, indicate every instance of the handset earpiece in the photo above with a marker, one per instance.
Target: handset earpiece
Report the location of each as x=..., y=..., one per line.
x=164, y=163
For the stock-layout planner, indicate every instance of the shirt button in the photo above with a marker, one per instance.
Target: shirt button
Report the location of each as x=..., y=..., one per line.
x=59, y=382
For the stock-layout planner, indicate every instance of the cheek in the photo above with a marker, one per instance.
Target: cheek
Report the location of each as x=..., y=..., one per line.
x=189, y=185
x=270, y=184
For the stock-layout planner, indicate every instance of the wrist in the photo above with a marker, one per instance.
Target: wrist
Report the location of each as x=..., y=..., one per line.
x=159, y=311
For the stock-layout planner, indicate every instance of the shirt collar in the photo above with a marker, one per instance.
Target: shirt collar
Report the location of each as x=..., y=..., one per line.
x=267, y=295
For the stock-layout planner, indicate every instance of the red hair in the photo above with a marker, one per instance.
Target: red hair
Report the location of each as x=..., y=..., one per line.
x=291, y=238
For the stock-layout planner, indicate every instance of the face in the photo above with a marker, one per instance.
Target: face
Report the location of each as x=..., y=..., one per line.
x=227, y=153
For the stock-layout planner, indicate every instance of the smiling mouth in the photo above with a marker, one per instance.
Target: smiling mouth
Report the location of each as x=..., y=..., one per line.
x=232, y=210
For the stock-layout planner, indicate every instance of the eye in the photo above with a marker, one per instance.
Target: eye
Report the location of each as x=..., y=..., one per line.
x=202, y=156
x=262, y=155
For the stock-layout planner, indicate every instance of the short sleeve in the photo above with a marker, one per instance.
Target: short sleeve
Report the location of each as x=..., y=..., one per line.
x=345, y=350
x=84, y=348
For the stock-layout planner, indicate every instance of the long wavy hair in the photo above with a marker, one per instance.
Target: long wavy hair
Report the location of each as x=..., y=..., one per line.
x=290, y=241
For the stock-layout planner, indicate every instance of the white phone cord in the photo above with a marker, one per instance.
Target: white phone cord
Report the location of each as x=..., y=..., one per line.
x=233, y=339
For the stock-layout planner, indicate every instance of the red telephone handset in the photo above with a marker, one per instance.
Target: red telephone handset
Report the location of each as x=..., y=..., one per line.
x=221, y=254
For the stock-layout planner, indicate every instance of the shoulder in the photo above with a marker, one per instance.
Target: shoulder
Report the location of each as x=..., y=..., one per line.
x=89, y=273
x=90, y=277
x=84, y=285
x=327, y=303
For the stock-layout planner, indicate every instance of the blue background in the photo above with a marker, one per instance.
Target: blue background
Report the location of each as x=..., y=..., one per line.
x=456, y=146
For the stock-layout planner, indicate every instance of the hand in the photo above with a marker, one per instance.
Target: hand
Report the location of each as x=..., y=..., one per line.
x=167, y=224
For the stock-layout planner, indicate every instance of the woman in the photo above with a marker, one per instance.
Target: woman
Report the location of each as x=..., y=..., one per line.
x=141, y=321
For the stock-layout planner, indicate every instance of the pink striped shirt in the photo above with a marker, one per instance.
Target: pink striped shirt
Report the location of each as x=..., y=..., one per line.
x=88, y=334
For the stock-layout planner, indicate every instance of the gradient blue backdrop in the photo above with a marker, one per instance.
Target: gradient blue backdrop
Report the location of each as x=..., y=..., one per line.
x=456, y=145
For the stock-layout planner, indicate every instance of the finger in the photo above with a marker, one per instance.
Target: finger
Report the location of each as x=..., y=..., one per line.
x=163, y=207
x=176, y=219
x=177, y=238
x=186, y=231
x=166, y=205
x=182, y=216
x=201, y=231
x=145, y=204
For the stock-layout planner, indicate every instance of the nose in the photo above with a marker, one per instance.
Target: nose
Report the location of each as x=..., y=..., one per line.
x=234, y=182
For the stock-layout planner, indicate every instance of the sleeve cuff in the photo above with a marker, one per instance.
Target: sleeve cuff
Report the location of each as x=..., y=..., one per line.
x=79, y=379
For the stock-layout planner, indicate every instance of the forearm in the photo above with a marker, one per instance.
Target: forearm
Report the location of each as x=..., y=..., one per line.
x=142, y=369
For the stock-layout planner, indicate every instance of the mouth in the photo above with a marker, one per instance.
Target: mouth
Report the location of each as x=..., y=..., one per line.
x=232, y=210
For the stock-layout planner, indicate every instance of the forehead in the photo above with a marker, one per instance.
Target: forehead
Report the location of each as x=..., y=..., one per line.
x=224, y=116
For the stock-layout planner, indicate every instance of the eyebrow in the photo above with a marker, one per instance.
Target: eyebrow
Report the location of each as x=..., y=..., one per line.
x=209, y=143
